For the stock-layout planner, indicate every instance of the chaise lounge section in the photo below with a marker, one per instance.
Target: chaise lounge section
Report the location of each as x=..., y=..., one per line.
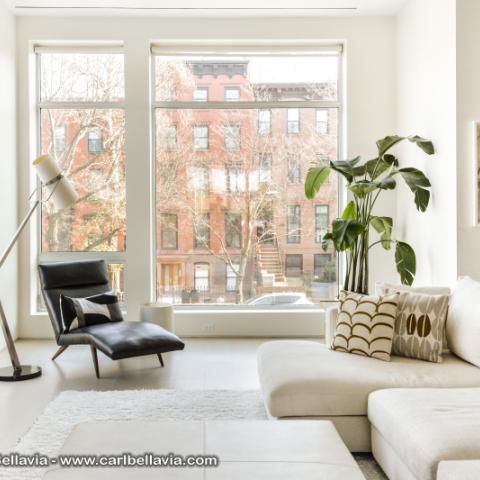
x=117, y=340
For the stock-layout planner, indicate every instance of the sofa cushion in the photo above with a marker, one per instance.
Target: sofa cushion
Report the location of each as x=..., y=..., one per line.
x=463, y=323
x=408, y=297
x=425, y=426
x=365, y=324
x=305, y=378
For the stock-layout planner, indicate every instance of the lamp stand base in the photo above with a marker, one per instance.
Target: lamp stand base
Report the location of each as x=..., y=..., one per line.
x=25, y=372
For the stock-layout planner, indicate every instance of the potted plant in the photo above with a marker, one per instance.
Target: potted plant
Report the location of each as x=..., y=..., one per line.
x=351, y=233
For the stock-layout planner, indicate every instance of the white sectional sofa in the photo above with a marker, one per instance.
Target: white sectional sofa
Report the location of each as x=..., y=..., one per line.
x=421, y=420
x=307, y=379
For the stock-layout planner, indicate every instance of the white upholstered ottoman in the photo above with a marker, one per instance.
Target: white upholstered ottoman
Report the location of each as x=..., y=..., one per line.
x=309, y=450
x=413, y=430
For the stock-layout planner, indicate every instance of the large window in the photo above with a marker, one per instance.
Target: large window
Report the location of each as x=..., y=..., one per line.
x=256, y=134
x=82, y=125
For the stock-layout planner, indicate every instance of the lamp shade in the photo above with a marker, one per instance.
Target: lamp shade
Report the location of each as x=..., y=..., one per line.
x=59, y=188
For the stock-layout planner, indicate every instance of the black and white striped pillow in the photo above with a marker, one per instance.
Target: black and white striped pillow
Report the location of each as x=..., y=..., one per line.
x=93, y=310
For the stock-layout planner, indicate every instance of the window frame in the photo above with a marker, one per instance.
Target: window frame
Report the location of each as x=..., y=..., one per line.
x=110, y=257
x=238, y=138
x=195, y=276
x=261, y=122
x=296, y=122
x=231, y=88
x=202, y=89
x=240, y=243
x=298, y=236
x=96, y=141
x=207, y=138
x=218, y=50
x=326, y=122
x=162, y=243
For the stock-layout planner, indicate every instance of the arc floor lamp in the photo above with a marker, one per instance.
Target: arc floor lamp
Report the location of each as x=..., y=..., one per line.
x=61, y=192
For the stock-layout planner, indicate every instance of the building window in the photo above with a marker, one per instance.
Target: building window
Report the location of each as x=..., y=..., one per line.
x=293, y=120
x=251, y=178
x=170, y=138
x=59, y=138
x=231, y=135
x=324, y=269
x=294, y=224
x=293, y=265
x=294, y=173
x=233, y=230
x=265, y=167
x=200, y=137
x=321, y=121
x=201, y=230
x=234, y=179
x=264, y=122
x=321, y=221
x=201, y=277
x=169, y=229
x=95, y=140
x=200, y=179
x=232, y=94
x=169, y=177
x=200, y=94
x=231, y=285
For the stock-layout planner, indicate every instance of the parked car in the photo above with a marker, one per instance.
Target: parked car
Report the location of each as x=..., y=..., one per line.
x=284, y=298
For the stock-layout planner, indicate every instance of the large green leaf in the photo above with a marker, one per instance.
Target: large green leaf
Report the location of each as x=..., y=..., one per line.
x=423, y=143
x=406, y=262
x=387, y=183
x=418, y=184
x=316, y=177
x=350, y=211
x=345, y=232
x=326, y=240
x=348, y=168
x=387, y=143
x=362, y=188
x=383, y=225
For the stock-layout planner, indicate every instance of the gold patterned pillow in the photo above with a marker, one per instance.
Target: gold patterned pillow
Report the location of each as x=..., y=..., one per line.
x=365, y=324
x=420, y=325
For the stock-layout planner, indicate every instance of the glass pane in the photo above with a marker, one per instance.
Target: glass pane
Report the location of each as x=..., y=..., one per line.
x=232, y=207
x=94, y=160
x=246, y=78
x=93, y=77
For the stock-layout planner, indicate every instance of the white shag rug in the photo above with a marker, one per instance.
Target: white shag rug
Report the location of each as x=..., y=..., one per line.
x=49, y=432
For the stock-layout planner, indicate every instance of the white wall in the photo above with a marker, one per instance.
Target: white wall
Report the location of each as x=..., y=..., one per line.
x=371, y=90
x=8, y=177
x=468, y=111
x=427, y=107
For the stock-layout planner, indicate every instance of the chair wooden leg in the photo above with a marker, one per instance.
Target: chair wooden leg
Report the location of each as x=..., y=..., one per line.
x=59, y=351
x=95, y=360
x=159, y=355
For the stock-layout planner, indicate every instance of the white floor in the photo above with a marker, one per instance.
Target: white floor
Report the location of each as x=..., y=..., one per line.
x=204, y=364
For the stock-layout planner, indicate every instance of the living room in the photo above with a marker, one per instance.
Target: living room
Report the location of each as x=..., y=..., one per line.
x=220, y=216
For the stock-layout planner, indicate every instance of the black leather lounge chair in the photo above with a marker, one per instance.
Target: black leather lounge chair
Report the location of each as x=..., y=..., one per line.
x=116, y=340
